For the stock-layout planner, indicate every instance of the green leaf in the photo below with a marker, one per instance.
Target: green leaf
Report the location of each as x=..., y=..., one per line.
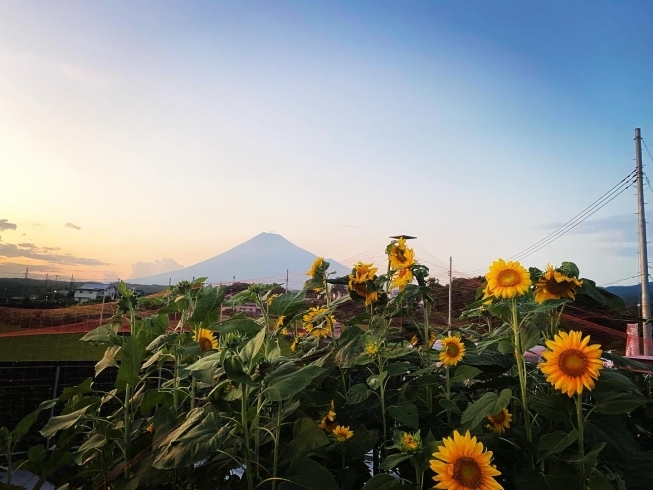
x=449, y=406
x=396, y=353
x=612, y=381
x=393, y=460
x=252, y=348
x=556, y=408
x=618, y=403
x=600, y=482
x=406, y=413
x=383, y=481
x=108, y=360
x=569, y=269
x=287, y=304
x=464, y=373
x=310, y=474
x=208, y=307
x=243, y=326
x=534, y=480
x=105, y=334
x=637, y=471
x=233, y=366
x=286, y=387
x=621, y=361
x=307, y=437
x=36, y=454
x=358, y=394
x=26, y=423
x=397, y=368
x=555, y=442
x=529, y=337
x=362, y=442
x=61, y=422
x=590, y=458
x=210, y=361
x=489, y=404
x=375, y=380
x=94, y=442
x=133, y=353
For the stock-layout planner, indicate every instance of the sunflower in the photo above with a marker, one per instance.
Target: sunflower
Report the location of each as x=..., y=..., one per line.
x=271, y=298
x=410, y=443
x=280, y=320
x=206, y=339
x=401, y=279
x=293, y=346
x=571, y=364
x=453, y=351
x=328, y=422
x=499, y=422
x=507, y=279
x=487, y=294
x=360, y=274
x=555, y=285
x=415, y=340
x=372, y=349
x=318, y=323
x=342, y=433
x=461, y=464
x=317, y=263
x=400, y=255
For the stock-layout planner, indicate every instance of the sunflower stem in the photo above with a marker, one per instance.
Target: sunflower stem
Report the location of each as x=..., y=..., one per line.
x=581, y=442
x=277, y=437
x=127, y=428
x=521, y=371
x=448, y=394
x=243, y=418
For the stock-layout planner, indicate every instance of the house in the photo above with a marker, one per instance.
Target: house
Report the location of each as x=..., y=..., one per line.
x=95, y=290
x=248, y=308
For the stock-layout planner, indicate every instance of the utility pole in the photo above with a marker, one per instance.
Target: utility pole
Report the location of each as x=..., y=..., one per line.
x=46, y=286
x=647, y=332
x=450, y=288
x=25, y=281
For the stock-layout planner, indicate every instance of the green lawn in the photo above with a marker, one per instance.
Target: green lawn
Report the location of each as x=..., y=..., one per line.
x=48, y=347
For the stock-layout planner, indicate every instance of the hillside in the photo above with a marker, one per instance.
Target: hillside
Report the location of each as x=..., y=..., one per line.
x=263, y=258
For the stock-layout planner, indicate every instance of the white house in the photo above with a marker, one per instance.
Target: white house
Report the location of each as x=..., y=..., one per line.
x=95, y=290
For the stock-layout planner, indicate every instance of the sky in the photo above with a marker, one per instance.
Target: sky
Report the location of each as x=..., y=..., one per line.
x=137, y=137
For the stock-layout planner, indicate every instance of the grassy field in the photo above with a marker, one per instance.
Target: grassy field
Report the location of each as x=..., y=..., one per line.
x=55, y=347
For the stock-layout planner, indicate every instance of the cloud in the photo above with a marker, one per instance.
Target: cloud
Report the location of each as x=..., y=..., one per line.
x=14, y=268
x=144, y=269
x=73, y=226
x=5, y=225
x=31, y=251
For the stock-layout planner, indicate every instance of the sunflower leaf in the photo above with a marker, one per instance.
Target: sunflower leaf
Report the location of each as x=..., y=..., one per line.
x=489, y=404
x=555, y=442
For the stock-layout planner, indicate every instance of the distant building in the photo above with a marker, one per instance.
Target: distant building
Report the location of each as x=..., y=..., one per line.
x=248, y=308
x=95, y=290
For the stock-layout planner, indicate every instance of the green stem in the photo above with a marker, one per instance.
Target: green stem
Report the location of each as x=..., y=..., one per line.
x=193, y=385
x=382, y=397
x=581, y=442
x=127, y=427
x=243, y=418
x=521, y=370
x=275, y=457
x=448, y=393
x=419, y=475
x=175, y=388
x=257, y=435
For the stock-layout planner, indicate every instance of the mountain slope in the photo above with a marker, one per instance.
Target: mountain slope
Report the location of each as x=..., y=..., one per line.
x=264, y=258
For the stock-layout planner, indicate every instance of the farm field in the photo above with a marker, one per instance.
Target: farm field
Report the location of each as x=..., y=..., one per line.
x=48, y=347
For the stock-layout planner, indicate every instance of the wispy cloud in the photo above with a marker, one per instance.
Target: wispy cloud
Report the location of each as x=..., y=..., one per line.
x=30, y=251
x=14, y=268
x=73, y=226
x=86, y=76
x=6, y=225
x=144, y=269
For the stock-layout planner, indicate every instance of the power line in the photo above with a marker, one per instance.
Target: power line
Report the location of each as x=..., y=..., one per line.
x=615, y=191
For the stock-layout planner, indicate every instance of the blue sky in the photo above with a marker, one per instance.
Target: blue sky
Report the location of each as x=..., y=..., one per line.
x=169, y=130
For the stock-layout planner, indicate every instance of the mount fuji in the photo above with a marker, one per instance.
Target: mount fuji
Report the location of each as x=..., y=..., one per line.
x=263, y=258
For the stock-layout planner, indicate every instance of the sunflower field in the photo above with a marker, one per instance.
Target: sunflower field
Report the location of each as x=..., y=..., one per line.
x=305, y=398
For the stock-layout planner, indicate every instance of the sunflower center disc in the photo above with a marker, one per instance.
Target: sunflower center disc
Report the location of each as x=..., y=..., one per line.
x=467, y=473
x=205, y=344
x=499, y=417
x=573, y=362
x=452, y=350
x=559, y=288
x=508, y=278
